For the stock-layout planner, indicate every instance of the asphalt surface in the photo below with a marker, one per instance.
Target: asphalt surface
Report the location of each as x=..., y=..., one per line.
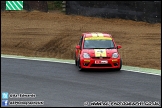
x=62, y=85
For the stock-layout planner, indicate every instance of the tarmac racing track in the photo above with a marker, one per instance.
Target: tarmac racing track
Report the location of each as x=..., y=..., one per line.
x=62, y=85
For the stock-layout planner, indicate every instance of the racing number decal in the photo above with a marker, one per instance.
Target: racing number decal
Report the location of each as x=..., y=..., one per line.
x=100, y=52
x=96, y=34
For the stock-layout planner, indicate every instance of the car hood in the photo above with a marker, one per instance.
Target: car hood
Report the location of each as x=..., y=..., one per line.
x=100, y=52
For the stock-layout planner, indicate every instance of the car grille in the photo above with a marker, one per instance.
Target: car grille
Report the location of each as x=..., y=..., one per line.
x=101, y=65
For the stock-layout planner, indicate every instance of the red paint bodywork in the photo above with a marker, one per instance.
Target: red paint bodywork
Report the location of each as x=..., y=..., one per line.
x=87, y=63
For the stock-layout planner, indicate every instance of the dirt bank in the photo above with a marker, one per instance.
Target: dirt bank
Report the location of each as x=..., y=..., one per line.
x=55, y=35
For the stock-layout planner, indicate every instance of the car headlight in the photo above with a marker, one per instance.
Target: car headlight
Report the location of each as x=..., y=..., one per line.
x=115, y=55
x=86, y=55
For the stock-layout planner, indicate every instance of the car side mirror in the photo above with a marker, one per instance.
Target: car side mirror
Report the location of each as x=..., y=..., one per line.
x=77, y=46
x=119, y=46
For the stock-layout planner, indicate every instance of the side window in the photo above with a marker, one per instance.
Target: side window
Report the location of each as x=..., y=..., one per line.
x=80, y=42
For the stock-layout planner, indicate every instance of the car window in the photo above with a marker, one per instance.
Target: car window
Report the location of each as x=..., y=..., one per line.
x=80, y=42
x=98, y=44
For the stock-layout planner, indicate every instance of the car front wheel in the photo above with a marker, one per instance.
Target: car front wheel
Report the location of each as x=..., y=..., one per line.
x=79, y=66
x=118, y=69
x=75, y=61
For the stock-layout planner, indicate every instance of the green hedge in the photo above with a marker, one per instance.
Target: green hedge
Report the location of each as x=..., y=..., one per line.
x=54, y=5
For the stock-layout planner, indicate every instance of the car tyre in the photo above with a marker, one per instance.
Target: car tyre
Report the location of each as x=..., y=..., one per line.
x=75, y=61
x=78, y=65
x=118, y=69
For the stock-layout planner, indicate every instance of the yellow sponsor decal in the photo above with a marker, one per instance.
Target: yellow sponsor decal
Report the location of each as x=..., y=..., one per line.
x=98, y=38
x=100, y=52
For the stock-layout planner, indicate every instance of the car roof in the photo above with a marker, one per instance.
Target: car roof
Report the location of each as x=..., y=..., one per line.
x=91, y=34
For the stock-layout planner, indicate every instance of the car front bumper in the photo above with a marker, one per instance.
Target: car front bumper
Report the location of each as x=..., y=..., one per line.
x=100, y=63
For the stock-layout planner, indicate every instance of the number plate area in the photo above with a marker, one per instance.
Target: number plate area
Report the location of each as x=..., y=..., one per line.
x=101, y=62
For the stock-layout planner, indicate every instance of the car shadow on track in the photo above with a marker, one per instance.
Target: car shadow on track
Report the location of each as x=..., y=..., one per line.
x=100, y=71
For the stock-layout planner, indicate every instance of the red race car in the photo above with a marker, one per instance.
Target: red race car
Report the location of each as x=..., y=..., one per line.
x=97, y=51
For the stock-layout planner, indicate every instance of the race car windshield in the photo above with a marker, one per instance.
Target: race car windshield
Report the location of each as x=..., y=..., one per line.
x=97, y=44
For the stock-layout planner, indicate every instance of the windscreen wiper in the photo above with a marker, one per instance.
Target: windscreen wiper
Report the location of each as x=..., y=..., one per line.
x=101, y=48
x=111, y=48
x=89, y=48
x=93, y=48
